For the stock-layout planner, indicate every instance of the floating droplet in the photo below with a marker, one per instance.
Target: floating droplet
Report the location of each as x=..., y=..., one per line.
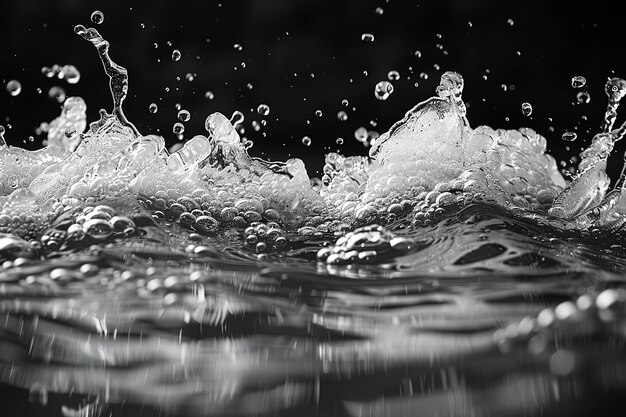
x=361, y=134
x=238, y=47
x=569, y=136
x=70, y=73
x=344, y=102
x=578, y=81
x=583, y=97
x=383, y=90
x=306, y=141
x=318, y=113
x=183, y=115
x=393, y=75
x=510, y=22
x=237, y=118
x=209, y=95
x=178, y=128
x=57, y=93
x=367, y=37
x=263, y=109
x=527, y=109
x=175, y=55
x=379, y=10
x=14, y=87
x=153, y=108
x=339, y=141
x=418, y=54
x=342, y=115
x=189, y=77
x=97, y=17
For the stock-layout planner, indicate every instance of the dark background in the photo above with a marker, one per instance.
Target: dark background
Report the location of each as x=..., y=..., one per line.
x=303, y=56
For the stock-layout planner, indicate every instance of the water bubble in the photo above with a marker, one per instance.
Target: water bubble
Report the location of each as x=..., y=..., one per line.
x=209, y=95
x=183, y=115
x=342, y=115
x=70, y=132
x=263, y=109
x=527, y=109
x=178, y=128
x=306, y=141
x=97, y=17
x=318, y=113
x=583, y=97
x=237, y=118
x=578, y=81
x=70, y=73
x=361, y=134
x=14, y=87
x=175, y=55
x=367, y=37
x=383, y=90
x=153, y=108
x=393, y=75
x=57, y=93
x=569, y=136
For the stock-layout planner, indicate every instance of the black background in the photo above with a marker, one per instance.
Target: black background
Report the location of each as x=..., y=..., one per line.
x=285, y=41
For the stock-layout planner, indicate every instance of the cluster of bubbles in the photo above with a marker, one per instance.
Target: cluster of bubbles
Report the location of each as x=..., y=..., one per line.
x=69, y=73
x=93, y=223
x=367, y=244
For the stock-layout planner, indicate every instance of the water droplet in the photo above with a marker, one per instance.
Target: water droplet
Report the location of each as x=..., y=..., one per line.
x=423, y=76
x=510, y=22
x=14, y=87
x=569, y=136
x=339, y=141
x=178, y=128
x=379, y=10
x=97, y=17
x=175, y=55
x=367, y=37
x=189, y=77
x=263, y=109
x=527, y=109
x=70, y=73
x=342, y=115
x=361, y=134
x=583, y=97
x=418, y=54
x=183, y=115
x=70, y=131
x=393, y=75
x=344, y=102
x=57, y=93
x=237, y=118
x=306, y=141
x=383, y=90
x=318, y=113
x=153, y=108
x=238, y=47
x=209, y=95
x=578, y=81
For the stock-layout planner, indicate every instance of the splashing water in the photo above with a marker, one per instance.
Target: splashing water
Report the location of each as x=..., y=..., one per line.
x=206, y=281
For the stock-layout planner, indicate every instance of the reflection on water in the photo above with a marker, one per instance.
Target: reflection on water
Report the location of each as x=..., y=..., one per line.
x=481, y=318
